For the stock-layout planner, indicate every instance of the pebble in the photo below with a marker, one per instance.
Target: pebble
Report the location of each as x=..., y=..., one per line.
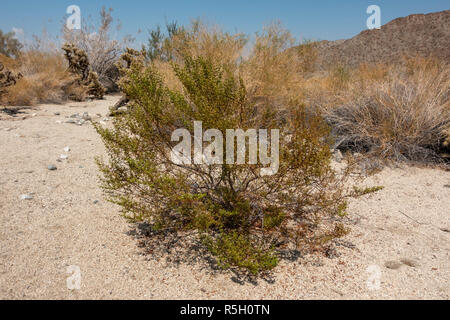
x=57, y=114
x=86, y=116
x=63, y=156
x=96, y=201
x=66, y=149
x=70, y=121
x=52, y=167
x=26, y=197
x=392, y=265
x=410, y=262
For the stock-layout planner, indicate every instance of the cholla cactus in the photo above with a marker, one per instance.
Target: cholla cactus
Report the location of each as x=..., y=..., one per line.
x=78, y=60
x=94, y=86
x=129, y=59
x=79, y=66
x=7, y=78
x=446, y=143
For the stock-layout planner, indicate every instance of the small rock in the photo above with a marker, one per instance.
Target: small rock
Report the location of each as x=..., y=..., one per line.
x=81, y=122
x=70, y=121
x=66, y=149
x=337, y=155
x=86, y=116
x=75, y=115
x=34, y=115
x=331, y=253
x=393, y=265
x=103, y=123
x=410, y=262
x=63, y=157
x=96, y=201
x=57, y=114
x=58, y=121
x=26, y=197
x=445, y=230
x=51, y=167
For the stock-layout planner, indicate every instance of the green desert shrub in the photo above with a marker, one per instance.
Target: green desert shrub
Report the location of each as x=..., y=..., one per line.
x=245, y=214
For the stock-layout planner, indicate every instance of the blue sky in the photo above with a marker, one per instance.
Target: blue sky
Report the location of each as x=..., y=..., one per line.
x=306, y=19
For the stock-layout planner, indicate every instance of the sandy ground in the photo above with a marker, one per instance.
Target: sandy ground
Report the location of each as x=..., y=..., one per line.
x=68, y=226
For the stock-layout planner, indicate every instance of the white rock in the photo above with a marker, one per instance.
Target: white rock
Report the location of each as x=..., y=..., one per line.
x=63, y=157
x=338, y=156
x=26, y=197
x=66, y=149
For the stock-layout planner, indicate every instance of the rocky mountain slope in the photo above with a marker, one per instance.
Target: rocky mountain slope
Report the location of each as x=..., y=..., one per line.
x=417, y=34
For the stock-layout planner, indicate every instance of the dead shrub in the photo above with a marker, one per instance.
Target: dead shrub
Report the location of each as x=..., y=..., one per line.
x=400, y=113
x=45, y=80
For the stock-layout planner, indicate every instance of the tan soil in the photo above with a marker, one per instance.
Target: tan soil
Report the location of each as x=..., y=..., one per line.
x=402, y=231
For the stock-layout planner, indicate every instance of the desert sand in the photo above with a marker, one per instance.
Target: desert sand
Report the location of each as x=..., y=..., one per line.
x=399, y=246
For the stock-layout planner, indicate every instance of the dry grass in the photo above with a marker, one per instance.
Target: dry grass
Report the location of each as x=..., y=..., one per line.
x=45, y=80
x=209, y=41
x=273, y=68
x=396, y=112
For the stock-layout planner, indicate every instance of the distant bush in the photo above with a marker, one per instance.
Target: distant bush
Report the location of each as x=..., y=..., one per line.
x=243, y=217
x=9, y=45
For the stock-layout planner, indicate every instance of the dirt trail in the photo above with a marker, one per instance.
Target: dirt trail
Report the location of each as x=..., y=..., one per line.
x=68, y=223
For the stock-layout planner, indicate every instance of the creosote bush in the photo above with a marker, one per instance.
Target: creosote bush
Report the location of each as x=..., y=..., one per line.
x=245, y=218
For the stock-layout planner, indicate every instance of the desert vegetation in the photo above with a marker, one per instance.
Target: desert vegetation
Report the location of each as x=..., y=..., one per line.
x=81, y=66
x=389, y=111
